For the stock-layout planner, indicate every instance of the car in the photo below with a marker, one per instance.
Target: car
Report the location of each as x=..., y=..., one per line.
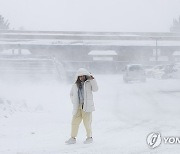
x=157, y=71
x=154, y=70
x=163, y=71
x=176, y=71
x=148, y=71
x=134, y=72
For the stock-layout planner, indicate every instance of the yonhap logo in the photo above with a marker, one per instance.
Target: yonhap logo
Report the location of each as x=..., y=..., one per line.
x=154, y=140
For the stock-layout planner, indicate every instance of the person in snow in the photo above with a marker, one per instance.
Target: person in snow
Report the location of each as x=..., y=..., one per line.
x=82, y=99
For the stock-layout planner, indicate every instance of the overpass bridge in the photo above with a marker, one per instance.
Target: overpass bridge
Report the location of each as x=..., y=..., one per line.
x=74, y=46
x=66, y=42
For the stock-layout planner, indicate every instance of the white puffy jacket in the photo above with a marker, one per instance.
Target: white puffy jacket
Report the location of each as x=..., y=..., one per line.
x=89, y=87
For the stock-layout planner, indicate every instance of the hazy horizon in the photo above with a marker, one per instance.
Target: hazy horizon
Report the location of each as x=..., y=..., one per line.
x=84, y=15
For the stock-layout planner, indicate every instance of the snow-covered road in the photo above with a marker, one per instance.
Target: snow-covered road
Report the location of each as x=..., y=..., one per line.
x=125, y=114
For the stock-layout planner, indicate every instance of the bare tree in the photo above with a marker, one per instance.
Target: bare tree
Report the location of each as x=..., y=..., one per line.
x=176, y=25
x=4, y=24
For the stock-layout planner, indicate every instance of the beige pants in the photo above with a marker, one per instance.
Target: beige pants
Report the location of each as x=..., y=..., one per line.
x=76, y=120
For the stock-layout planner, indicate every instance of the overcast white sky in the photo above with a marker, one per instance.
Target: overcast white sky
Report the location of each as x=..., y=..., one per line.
x=91, y=15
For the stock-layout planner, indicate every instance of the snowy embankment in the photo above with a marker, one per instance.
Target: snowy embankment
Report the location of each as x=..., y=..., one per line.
x=125, y=114
x=10, y=107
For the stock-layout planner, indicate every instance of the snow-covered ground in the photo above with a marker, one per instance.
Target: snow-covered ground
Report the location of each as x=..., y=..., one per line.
x=125, y=114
